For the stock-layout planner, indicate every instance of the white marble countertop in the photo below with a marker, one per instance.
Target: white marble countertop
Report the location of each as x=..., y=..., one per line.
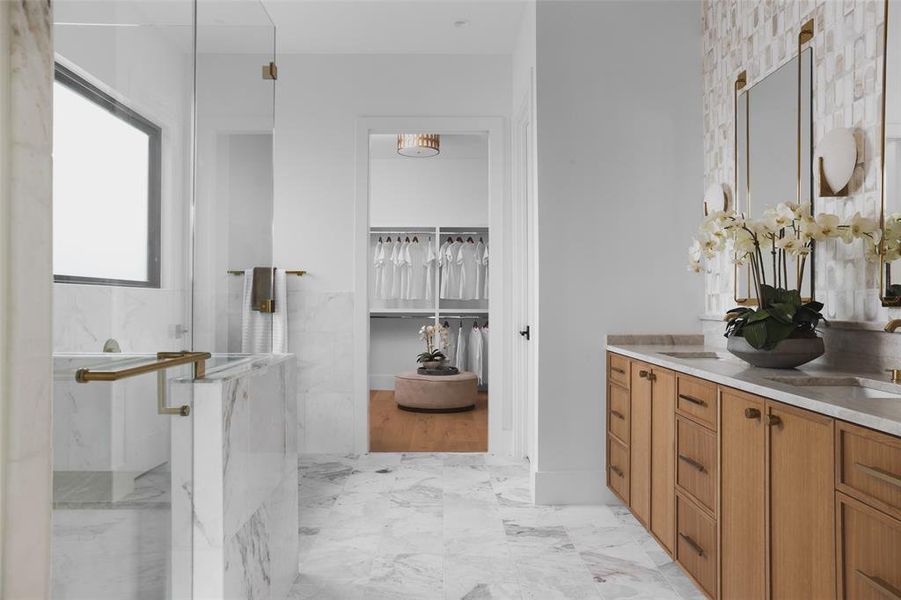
x=882, y=414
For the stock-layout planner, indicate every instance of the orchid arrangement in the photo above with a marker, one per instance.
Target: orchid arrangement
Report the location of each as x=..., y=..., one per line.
x=891, y=244
x=783, y=237
x=436, y=341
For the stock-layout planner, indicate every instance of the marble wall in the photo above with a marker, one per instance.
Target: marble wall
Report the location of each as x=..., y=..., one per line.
x=245, y=541
x=320, y=334
x=847, y=92
x=26, y=75
x=847, y=88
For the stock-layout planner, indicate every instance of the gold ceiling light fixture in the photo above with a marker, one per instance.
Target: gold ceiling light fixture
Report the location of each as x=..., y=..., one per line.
x=418, y=145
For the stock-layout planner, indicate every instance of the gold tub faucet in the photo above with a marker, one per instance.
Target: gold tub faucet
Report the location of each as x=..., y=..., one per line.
x=892, y=325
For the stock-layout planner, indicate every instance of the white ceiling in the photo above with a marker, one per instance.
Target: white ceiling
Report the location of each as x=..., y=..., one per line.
x=312, y=26
x=396, y=26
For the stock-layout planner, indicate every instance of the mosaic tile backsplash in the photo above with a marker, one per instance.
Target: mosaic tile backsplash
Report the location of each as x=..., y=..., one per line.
x=759, y=37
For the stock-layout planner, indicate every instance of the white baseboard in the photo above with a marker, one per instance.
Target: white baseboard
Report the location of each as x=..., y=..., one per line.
x=381, y=382
x=573, y=487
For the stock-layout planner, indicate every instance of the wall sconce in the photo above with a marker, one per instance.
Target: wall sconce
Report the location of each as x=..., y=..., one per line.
x=715, y=198
x=836, y=157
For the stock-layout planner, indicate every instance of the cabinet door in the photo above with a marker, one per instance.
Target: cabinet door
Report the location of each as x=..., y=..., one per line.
x=640, y=443
x=742, y=513
x=663, y=415
x=869, y=543
x=802, y=508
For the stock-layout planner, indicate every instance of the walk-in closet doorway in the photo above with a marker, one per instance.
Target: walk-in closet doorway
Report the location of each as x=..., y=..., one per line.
x=394, y=313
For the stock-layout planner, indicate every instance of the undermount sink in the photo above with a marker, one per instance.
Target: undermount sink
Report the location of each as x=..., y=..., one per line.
x=844, y=388
x=690, y=355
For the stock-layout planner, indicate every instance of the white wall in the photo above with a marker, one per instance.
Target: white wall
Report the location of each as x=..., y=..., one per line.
x=318, y=101
x=619, y=193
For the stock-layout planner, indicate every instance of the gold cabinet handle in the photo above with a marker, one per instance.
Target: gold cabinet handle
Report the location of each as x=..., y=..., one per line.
x=880, y=585
x=618, y=414
x=649, y=375
x=879, y=474
x=616, y=470
x=693, y=463
x=693, y=544
x=773, y=421
x=618, y=370
x=752, y=413
x=692, y=399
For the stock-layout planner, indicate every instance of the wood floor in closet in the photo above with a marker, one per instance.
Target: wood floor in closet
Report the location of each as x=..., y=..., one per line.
x=394, y=430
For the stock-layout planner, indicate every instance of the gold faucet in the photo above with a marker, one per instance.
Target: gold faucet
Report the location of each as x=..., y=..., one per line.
x=896, y=375
x=892, y=325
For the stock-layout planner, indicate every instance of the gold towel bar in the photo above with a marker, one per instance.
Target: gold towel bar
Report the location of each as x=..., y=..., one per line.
x=165, y=360
x=298, y=273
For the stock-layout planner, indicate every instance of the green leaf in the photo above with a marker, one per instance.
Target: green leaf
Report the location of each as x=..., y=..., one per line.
x=814, y=306
x=767, y=294
x=783, y=312
x=759, y=315
x=776, y=332
x=756, y=334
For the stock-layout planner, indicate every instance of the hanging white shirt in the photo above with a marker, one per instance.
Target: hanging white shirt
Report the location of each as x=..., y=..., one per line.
x=416, y=266
x=468, y=263
x=399, y=285
x=431, y=269
x=451, y=272
x=378, y=262
x=441, y=262
x=484, y=331
x=485, y=274
x=451, y=351
x=388, y=256
x=460, y=358
x=480, y=270
x=474, y=355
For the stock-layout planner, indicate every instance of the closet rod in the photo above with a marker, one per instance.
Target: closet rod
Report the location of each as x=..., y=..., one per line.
x=298, y=273
x=483, y=232
x=404, y=232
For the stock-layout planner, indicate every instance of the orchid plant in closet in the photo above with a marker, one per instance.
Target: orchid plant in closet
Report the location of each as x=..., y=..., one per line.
x=435, y=338
x=776, y=250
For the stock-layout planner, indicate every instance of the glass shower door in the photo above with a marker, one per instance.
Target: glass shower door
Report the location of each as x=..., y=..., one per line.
x=122, y=179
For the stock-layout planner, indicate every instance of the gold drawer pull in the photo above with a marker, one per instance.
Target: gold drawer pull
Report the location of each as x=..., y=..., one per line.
x=774, y=421
x=618, y=370
x=693, y=463
x=752, y=413
x=693, y=400
x=616, y=470
x=693, y=544
x=649, y=375
x=617, y=414
x=884, y=587
x=879, y=474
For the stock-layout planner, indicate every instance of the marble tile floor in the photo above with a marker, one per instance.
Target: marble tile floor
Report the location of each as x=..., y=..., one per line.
x=461, y=526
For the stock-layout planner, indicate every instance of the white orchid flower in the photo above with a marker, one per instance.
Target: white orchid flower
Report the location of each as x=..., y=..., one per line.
x=829, y=226
x=694, y=251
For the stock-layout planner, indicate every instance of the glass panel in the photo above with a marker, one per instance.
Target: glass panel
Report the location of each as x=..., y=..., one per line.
x=234, y=186
x=122, y=470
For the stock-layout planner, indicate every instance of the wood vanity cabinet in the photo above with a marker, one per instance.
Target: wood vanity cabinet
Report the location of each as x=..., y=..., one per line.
x=755, y=499
x=640, y=443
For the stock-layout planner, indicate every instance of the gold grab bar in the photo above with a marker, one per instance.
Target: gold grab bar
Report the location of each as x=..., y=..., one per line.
x=165, y=360
x=298, y=273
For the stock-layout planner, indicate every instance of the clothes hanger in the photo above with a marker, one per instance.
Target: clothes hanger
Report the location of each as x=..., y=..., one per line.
x=459, y=239
x=407, y=241
x=481, y=240
x=450, y=239
x=470, y=240
x=415, y=239
x=389, y=240
x=380, y=239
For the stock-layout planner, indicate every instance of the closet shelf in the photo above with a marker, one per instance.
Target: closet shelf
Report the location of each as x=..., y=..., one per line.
x=402, y=311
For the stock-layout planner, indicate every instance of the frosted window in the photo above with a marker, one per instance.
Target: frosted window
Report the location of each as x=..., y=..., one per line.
x=105, y=189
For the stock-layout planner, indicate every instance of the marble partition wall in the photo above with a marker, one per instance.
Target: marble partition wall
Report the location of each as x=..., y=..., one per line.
x=320, y=334
x=245, y=516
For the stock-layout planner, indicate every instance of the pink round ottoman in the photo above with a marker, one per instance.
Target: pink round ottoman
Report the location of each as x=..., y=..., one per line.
x=436, y=393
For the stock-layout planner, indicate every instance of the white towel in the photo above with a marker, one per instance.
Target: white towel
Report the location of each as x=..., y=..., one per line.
x=262, y=333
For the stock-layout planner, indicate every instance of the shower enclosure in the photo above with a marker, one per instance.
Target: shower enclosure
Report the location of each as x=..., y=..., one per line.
x=163, y=118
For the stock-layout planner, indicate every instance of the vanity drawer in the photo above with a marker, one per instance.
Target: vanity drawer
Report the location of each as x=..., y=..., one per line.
x=868, y=466
x=869, y=551
x=696, y=466
x=696, y=398
x=618, y=468
x=618, y=369
x=618, y=412
x=696, y=544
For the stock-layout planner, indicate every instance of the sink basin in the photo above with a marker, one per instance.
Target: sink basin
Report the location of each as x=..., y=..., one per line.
x=690, y=355
x=844, y=388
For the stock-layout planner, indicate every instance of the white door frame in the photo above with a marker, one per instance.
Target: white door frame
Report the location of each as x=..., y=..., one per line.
x=500, y=408
x=524, y=221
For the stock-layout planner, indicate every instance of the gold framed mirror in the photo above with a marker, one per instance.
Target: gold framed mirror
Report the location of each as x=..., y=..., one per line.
x=773, y=153
x=890, y=161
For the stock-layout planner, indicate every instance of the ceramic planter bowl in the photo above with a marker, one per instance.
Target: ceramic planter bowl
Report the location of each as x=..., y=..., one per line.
x=787, y=354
